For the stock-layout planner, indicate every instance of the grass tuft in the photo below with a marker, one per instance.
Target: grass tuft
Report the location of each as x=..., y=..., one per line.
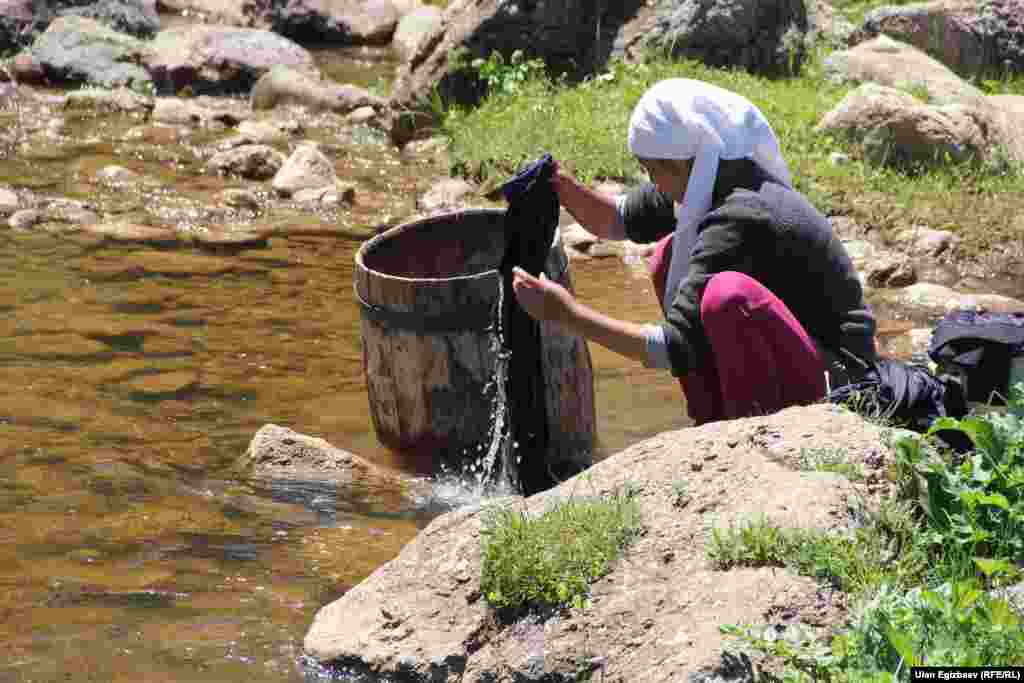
x=549, y=561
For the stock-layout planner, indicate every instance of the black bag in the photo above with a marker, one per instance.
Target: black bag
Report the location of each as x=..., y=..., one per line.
x=980, y=349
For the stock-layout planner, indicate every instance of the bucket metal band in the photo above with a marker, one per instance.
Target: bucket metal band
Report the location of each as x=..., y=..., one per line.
x=464, y=319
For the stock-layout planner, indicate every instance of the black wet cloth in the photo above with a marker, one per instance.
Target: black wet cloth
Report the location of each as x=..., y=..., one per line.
x=530, y=224
x=765, y=229
x=979, y=347
x=908, y=394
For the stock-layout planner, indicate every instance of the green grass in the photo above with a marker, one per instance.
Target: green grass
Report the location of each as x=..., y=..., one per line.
x=550, y=560
x=584, y=126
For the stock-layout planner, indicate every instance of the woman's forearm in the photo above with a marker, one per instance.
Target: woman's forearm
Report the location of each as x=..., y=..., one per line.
x=623, y=337
x=594, y=210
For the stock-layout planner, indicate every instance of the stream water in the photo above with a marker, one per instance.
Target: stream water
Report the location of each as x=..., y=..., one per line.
x=133, y=376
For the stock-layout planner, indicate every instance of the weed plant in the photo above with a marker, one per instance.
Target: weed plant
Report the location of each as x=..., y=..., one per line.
x=584, y=126
x=549, y=561
x=930, y=593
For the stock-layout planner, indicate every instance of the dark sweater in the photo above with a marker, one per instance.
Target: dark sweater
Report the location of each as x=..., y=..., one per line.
x=767, y=230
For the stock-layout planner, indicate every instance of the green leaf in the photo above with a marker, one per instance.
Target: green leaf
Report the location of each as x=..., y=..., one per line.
x=901, y=643
x=996, y=499
x=992, y=567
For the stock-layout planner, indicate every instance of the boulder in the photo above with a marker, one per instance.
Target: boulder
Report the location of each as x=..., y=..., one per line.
x=942, y=108
x=413, y=27
x=897, y=129
x=134, y=17
x=970, y=37
x=656, y=615
x=283, y=85
x=761, y=36
x=354, y=22
x=257, y=162
x=889, y=62
x=306, y=169
x=220, y=60
x=78, y=49
x=564, y=34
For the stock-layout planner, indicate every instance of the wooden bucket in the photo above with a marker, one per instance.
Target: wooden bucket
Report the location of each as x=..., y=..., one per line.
x=429, y=293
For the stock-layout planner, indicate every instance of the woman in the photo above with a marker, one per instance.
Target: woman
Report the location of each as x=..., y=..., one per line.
x=763, y=308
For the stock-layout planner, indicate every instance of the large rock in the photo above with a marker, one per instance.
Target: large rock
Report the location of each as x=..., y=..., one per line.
x=78, y=49
x=219, y=59
x=897, y=65
x=973, y=38
x=762, y=36
x=564, y=34
x=656, y=615
x=135, y=17
x=101, y=100
x=283, y=85
x=413, y=27
x=357, y=22
x=897, y=129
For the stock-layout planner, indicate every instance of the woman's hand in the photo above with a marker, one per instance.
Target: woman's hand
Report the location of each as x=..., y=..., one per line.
x=543, y=299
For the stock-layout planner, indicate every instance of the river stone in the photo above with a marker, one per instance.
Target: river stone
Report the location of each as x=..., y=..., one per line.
x=280, y=452
x=157, y=134
x=331, y=195
x=285, y=85
x=306, y=168
x=357, y=22
x=447, y=193
x=222, y=236
x=134, y=232
x=926, y=241
x=72, y=212
x=936, y=300
x=77, y=49
x=263, y=132
x=117, y=100
x=175, y=110
x=220, y=60
x=972, y=38
x=240, y=199
x=134, y=17
x=8, y=202
x=118, y=175
x=657, y=614
x=163, y=384
x=25, y=219
x=890, y=271
x=412, y=27
x=362, y=115
x=257, y=162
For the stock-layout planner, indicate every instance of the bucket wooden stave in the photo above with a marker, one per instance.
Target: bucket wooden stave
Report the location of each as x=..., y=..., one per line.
x=429, y=293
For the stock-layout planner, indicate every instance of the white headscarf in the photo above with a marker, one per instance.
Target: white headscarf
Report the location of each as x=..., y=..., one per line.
x=681, y=118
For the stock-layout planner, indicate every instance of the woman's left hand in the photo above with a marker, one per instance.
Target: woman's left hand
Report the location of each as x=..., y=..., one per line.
x=542, y=298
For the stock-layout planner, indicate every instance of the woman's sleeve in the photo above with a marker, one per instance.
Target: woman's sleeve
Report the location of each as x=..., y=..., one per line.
x=646, y=214
x=723, y=245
